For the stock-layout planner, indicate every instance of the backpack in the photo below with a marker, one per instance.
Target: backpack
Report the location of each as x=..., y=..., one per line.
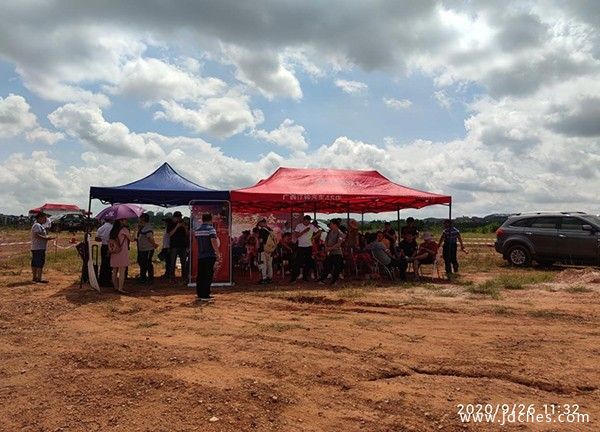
x=114, y=246
x=271, y=243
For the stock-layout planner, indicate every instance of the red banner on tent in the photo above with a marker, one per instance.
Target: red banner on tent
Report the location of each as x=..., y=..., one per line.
x=221, y=213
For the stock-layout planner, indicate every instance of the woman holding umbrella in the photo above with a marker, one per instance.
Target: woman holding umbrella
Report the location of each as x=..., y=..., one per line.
x=119, y=253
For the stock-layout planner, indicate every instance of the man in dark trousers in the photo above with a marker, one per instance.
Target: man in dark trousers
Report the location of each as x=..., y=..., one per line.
x=102, y=235
x=208, y=253
x=178, y=246
x=334, y=263
x=303, y=235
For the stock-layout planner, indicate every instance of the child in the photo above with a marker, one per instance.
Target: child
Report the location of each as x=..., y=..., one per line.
x=318, y=253
x=450, y=237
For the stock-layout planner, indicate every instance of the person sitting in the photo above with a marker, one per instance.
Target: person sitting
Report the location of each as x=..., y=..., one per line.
x=425, y=254
x=284, y=252
x=390, y=234
x=381, y=253
x=404, y=252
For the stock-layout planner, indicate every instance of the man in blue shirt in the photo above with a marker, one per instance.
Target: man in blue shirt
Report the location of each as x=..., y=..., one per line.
x=208, y=253
x=450, y=237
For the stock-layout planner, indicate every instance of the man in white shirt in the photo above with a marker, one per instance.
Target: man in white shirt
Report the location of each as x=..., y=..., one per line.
x=103, y=235
x=39, y=240
x=303, y=235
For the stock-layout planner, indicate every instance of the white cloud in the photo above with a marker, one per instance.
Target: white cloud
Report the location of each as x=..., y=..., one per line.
x=442, y=99
x=288, y=135
x=264, y=71
x=16, y=119
x=150, y=79
x=86, y=123
x=398, y=104
x=351, y=87
x=221, y=117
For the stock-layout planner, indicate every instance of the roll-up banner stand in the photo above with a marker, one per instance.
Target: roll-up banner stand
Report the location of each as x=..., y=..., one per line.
x=221, y=219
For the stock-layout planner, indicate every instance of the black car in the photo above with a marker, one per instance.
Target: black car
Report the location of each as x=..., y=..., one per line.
x=71, y=222
x=549, y=237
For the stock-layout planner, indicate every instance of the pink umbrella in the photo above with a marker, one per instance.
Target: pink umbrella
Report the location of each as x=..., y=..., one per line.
x=120, y=211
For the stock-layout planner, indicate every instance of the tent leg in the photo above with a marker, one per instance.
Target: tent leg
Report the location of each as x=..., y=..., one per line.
x=315, y=212
x=348, y=216
x=362, y=221
x=450, y=211
x=398, y=222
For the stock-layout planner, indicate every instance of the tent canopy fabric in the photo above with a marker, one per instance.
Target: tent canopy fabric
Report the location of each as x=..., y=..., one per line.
x=57, y=208
x=330, y=191
x=164, y=187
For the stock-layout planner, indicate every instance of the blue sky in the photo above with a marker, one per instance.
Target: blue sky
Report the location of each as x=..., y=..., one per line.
x=493, y=103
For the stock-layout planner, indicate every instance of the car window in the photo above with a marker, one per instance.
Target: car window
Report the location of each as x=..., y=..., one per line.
x=546, y=222
x=573, y=224
x=523, y=222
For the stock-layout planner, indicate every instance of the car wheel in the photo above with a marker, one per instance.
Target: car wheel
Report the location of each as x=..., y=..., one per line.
x=519, y=256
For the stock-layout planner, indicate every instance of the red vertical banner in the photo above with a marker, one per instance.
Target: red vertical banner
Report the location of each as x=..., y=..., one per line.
x=221, y=220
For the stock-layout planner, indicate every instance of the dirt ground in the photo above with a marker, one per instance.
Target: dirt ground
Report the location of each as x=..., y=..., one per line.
x=358, y=357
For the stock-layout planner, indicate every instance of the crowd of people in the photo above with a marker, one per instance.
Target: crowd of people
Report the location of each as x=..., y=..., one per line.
x=310, y=253
x=306, y=252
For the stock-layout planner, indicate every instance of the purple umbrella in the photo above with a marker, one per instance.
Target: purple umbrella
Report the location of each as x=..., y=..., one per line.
x=120, y=211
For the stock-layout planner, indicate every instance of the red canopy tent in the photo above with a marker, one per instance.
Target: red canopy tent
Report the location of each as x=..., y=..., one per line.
x=331, y=191
x=53, y=209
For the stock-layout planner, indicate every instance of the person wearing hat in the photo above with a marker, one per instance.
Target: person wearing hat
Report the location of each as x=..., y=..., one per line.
x=303, y=235
x=426, y=253
x=103, y=236
x=39, y=241
x=178, y=247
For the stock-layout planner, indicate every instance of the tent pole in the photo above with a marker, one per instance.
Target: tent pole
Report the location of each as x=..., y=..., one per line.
x=89, y=214
x=450, y=210
x=315, y=212
x=398, y=221
x=348, y=216
x=362, y=221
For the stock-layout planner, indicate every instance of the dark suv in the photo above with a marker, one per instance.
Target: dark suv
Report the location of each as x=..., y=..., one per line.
x=71, y=222
x=548, y=237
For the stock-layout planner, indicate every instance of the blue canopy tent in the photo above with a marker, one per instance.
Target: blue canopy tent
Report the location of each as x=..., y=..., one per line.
x=164, y=187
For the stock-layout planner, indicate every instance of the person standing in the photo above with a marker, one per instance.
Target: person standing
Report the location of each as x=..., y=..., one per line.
x=303, y=234
x=39, y=241
x=145, y=245
x=410, y=228
x=334, y=263
x=208, y=254
x=103, y=236
x=449, y=238
x=178, y=246
x=118, y=247
x=266, y=246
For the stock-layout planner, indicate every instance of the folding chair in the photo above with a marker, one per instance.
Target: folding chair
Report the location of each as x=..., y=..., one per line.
x=435, y=268
x=382, y=268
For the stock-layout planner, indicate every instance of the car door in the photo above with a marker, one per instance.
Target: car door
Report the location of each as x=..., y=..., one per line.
x=577, y=245
x=543, y=234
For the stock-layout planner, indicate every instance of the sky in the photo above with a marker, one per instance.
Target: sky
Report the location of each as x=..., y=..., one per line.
x=496, y=103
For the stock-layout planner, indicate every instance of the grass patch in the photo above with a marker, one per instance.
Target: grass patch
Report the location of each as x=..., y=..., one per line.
x=280, y=327
x=445, y=293
x=147, y=324
x=350, y=293
x=578, y=289
x=544, y=313
x=489, y=288
x=503, y=310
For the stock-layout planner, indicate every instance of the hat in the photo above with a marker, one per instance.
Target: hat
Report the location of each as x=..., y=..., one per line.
x=353, y=223
x=427, y=236
x=41, y=214
x=177, y=214
x=262, y=220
